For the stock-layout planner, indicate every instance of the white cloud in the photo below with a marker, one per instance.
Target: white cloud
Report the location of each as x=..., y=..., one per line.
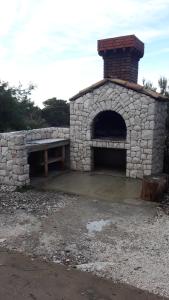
x=8, y=14
x=62, y=24
x=53, y=43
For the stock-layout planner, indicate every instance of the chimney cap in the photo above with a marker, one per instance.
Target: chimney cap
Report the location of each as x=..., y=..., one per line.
x=127, y=41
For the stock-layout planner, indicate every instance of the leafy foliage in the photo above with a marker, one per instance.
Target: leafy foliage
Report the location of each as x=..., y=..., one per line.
x=164, y=90
x=162, y=85
x=149, y=85
x=17, y=111
x=56, y=112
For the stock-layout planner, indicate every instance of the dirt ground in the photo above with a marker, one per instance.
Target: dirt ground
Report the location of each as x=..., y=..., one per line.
x=125, y=240
x=25, y=279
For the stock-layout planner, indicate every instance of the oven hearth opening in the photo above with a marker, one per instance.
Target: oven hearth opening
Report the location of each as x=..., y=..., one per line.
x=109, y=125
x=109, y=159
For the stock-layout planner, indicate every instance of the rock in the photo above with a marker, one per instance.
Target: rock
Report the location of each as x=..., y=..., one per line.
x=2, y=240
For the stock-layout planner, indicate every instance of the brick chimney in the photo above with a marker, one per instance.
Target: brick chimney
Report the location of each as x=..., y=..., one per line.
x=121, y=56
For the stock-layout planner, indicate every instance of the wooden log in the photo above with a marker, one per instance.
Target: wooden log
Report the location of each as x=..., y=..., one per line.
x=153, y=187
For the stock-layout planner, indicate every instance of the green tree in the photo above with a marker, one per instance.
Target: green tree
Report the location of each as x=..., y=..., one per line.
x=149, y=85
x=162, y=85
x=164, y=90
x=9, y=113
x=56, y=112
x=17, y=111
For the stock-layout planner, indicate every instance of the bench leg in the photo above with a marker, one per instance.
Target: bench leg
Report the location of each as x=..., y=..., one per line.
x=63, y=157
x=46, y=162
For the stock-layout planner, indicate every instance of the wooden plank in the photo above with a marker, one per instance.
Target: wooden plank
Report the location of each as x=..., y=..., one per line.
x=52, y=160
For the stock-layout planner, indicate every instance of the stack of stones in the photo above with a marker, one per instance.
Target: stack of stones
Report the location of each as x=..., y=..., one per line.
x=14, y=168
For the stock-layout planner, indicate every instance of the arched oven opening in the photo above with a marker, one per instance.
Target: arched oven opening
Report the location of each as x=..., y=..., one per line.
x=109, y=125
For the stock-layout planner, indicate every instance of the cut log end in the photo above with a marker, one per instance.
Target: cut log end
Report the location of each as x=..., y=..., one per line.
x=153, y=187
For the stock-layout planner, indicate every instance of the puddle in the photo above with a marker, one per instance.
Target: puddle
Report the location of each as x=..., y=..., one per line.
x=97, y=226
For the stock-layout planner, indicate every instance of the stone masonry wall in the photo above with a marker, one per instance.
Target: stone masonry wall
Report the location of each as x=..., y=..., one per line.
x=14, y=168
x=44, y=133
x=159, y=137
x=138, y=111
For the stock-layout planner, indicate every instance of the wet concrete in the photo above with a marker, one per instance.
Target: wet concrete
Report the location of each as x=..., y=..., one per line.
x=23, y=278
x=100, y=185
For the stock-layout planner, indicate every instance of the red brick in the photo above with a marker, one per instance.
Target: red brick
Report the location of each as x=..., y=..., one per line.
x=121, y=56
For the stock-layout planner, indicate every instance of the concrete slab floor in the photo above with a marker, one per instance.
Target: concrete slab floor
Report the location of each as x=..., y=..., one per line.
x=100, y=185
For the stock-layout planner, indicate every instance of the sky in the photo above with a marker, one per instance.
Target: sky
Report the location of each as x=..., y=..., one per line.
x=53, y=43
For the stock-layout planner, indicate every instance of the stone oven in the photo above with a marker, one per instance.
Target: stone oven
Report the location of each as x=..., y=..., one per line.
x=114, y=124
x=117, y=123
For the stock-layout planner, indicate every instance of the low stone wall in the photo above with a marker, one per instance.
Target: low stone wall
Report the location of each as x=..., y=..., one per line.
x=14, y=167
x=61, y=132
x=42, y=133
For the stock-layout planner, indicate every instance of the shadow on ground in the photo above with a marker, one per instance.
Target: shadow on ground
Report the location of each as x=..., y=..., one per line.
x=25, y=279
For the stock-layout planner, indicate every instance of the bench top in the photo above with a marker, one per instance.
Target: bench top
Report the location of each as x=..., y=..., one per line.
x=38, y=145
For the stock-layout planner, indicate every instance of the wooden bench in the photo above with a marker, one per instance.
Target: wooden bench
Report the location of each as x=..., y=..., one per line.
x=45, y=145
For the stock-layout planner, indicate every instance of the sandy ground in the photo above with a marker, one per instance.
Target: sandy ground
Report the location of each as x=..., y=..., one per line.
x=125, y=241
x=24, y=278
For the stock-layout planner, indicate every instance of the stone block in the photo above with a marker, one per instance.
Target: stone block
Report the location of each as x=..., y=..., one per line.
x=20, y=140
x=147, y=172
x=147, y=134
x=136, y=148
x=4, y=150
x=18, y=169
x=136, y=160
x=26, y=169
x=3, y=142
x=23, y=177
x=3, y=172
x=133, y=173
x=2, y=165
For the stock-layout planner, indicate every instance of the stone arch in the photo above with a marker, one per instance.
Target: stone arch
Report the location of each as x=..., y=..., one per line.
x=96, y=108
x=109, y=124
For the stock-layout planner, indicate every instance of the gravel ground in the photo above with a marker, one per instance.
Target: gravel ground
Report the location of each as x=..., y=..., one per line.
x=127, y=242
